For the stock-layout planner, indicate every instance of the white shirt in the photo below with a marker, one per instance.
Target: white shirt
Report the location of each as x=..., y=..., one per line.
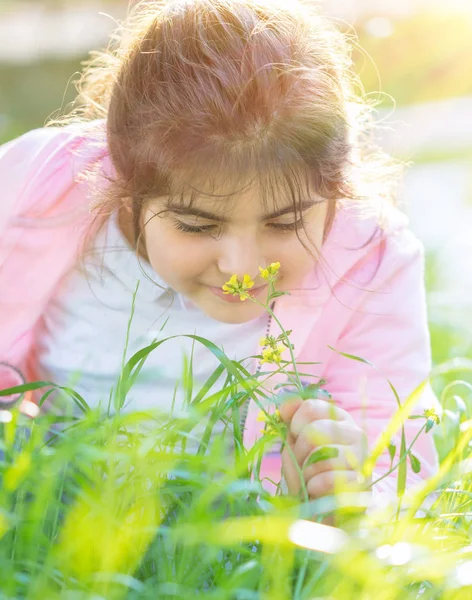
x=86, y=323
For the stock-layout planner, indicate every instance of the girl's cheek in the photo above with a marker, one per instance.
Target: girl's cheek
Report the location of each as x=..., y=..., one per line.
x=178, y=256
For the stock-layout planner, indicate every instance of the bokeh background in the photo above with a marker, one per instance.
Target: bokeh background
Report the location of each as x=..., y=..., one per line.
x=416, y=60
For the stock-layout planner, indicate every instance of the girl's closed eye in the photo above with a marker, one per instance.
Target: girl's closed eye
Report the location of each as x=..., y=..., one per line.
x=202, y=229
x=285, y=227
x=195, y=228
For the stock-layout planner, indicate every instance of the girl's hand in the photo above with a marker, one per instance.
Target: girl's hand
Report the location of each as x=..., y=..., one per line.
x=313, y=424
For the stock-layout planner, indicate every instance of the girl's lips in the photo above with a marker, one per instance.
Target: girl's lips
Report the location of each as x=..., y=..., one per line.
x=230, y=298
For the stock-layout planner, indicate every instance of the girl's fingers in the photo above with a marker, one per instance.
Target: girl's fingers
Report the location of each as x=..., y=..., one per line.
x=303, y=446
x=289, y=408
x=317, y=410
x=323, y=432
x=331, y=482
x=346, y=460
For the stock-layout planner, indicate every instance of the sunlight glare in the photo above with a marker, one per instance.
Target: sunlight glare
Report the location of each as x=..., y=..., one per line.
x=315, y=536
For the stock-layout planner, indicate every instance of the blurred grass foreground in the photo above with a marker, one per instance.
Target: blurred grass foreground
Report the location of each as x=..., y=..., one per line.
x=111, y=505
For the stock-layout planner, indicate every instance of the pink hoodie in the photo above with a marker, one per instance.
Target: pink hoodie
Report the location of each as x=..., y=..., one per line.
x=370, y=303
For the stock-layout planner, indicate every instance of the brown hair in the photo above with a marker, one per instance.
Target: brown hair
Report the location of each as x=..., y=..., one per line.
x=236, y=90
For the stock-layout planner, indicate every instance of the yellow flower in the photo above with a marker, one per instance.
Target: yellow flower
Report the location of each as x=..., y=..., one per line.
x=271, y=422
x=238, y=288
x=261, y=416
x=229, y=286
x=272, y=355
x=263, y=341
x=430, y=413
x=267, y=418
x=270, y=272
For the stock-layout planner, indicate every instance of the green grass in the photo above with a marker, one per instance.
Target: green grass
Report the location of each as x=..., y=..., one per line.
x=112, y=505
x=30, y=93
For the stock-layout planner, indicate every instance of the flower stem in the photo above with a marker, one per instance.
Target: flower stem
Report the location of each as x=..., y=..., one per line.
x=298, y=382
x=402, y=458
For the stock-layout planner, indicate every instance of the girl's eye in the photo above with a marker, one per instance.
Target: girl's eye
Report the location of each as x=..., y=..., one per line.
x=285, y=227
x=194, y=228
x=202, y=229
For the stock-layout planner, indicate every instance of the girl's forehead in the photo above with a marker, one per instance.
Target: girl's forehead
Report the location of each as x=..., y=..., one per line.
x=255, y=198
x=248, y=204
x=270, y=190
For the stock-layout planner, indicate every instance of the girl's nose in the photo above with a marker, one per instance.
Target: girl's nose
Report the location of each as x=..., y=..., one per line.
x=240, y=256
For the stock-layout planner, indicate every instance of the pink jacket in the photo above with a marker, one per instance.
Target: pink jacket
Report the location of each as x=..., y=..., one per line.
x=44, y=213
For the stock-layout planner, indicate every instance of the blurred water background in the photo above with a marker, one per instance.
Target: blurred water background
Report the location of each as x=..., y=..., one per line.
x=416, y=58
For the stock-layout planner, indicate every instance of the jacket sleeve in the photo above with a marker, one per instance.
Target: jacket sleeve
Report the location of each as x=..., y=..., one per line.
x=389, y=328
x=20, y=159
x=31, y=169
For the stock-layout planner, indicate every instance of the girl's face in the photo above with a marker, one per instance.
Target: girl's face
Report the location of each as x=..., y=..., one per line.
x=197, y=249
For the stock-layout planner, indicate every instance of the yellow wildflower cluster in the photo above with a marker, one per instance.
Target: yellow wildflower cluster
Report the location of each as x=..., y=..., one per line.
x=271, y=422
x=272, y=355
x=270, y=273
x=241, y=288
x=430, y=413
x=238, y=288
x=275, y=347
x=432, y=418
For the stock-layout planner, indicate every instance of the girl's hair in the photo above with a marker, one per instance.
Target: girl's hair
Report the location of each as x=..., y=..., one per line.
x=220, y=93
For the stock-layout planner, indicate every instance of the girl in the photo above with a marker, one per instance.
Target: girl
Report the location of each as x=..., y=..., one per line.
x=211, y=138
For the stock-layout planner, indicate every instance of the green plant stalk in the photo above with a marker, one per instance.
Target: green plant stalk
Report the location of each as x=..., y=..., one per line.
x=284, y=333
x=118, y=402
x=402, y=458
x=299, y=385
x=446, y=466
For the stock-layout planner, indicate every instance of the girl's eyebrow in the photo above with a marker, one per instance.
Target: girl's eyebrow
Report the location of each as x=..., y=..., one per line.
x=206, y=215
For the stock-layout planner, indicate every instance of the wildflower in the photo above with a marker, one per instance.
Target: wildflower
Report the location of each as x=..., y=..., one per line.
x=270, y=340
x=274, y=348
x=430, y=413
x=272, y=354
x=238, y=288
x=265, y=418
x=270, y=272
x=261, y=416
x=272, y=422
x=432, y=418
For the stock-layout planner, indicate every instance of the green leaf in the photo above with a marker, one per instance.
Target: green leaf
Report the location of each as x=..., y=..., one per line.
x=25, y=387
x=206, y=387
x=415, y=463
x=315, y=388
x=391, y=450
x=416, y=417
x=323, y=453
x=119, y=398
x=429, y=425
x=284, y=342
x=187, y=375
x=401, y=481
